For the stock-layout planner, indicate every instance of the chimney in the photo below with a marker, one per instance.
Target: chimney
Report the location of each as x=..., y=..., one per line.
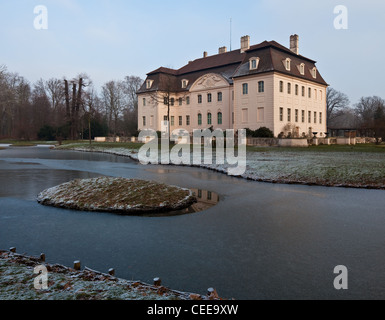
x=205, y=54
x=222, y=50
x=245, y=43
x=294, y=43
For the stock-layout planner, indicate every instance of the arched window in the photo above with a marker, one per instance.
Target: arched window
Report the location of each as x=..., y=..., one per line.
x=219, y=117
x=209, y=118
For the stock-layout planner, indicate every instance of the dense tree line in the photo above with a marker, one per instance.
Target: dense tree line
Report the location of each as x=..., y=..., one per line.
x=57, y=109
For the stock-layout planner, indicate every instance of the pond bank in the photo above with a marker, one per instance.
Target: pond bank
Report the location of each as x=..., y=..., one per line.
x=18, y=277
x=364, y=170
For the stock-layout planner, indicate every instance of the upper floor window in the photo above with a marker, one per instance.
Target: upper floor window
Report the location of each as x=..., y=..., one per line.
x=199, y=98
x=165, y=101
x=287, y=63
x=289, y=88
x=144, y=102
x=281, y=86
x=245, y=88
x=220, y=96
x=314, y=72
x=209, y=97
x=280, y=114
x=253, y=63
x=144, y=121
x=261, y=86
x=199, y=119
x=184, y=83
x=296, y=89
x=172, y=101
x=180, y=101
x=309, y=92
x=149, y=84
x=187, y=100
x=303, y=91
x=302, y=68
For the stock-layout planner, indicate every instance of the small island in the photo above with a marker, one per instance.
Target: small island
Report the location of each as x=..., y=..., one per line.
x=117, y=195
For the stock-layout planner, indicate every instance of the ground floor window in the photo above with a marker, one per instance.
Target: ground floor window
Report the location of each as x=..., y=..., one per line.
x=219, y=117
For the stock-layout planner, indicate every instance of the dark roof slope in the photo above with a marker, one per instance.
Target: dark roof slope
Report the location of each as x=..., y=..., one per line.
x=231, y=65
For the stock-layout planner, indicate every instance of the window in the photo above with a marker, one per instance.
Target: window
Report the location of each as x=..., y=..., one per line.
x=280, y=114
x=144, y=121
x=281, y=86
x=172, y=120
x=289, y=88
x=209, y=118
x=287, y=64
x=144, y=102
x=303, y=91
x=309, y=117
x=219, y=117
x=253, y=63
x=232, y=118
x=320, y=95
x=296, y=115
x=165, y=101
x=187, y=120
x=296, y=89
x=165, y=118
x=320, y=117
x=314, y=72
x=180, y=120
x=245, y=88
x=180, y=100
x=199, y=193
x=315, y=117
x=199, y=99
x=149, y=84
x=187, y=100
x=302, y=69
x=199, y=119
x=184, y=84
x=309, y=92
x=289, y=115
x=220, y=97
x=151, y=121
x=261, y=86
x=209, y=97
x=245, y=115
x=209, y=195
x=303, y=116
x=260, y=114
x=172, y=101
x=315, y=94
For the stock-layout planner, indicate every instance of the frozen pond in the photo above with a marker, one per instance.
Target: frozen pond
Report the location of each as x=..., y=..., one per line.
x=261, y=241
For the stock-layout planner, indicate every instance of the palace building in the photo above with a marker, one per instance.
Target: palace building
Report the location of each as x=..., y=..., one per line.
x=263, y=85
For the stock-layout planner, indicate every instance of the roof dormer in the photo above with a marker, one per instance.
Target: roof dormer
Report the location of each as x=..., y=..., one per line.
x=253, y=63
x=301, y=68
x=149, y=83
x=314, y=72
x=287, y=64
x=184, y=83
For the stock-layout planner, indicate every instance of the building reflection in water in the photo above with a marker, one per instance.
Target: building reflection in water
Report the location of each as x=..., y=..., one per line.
x=205, y=200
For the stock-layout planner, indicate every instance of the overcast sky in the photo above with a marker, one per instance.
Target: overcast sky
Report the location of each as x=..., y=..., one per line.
x=111, y=39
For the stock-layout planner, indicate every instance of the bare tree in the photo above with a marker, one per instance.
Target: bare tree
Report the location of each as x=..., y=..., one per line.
x=113, y=98
x=335, y=101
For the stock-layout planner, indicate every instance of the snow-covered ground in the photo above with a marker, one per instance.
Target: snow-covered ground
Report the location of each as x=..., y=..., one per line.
x=332, y=168
x=17, y=282
x=118, y=195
